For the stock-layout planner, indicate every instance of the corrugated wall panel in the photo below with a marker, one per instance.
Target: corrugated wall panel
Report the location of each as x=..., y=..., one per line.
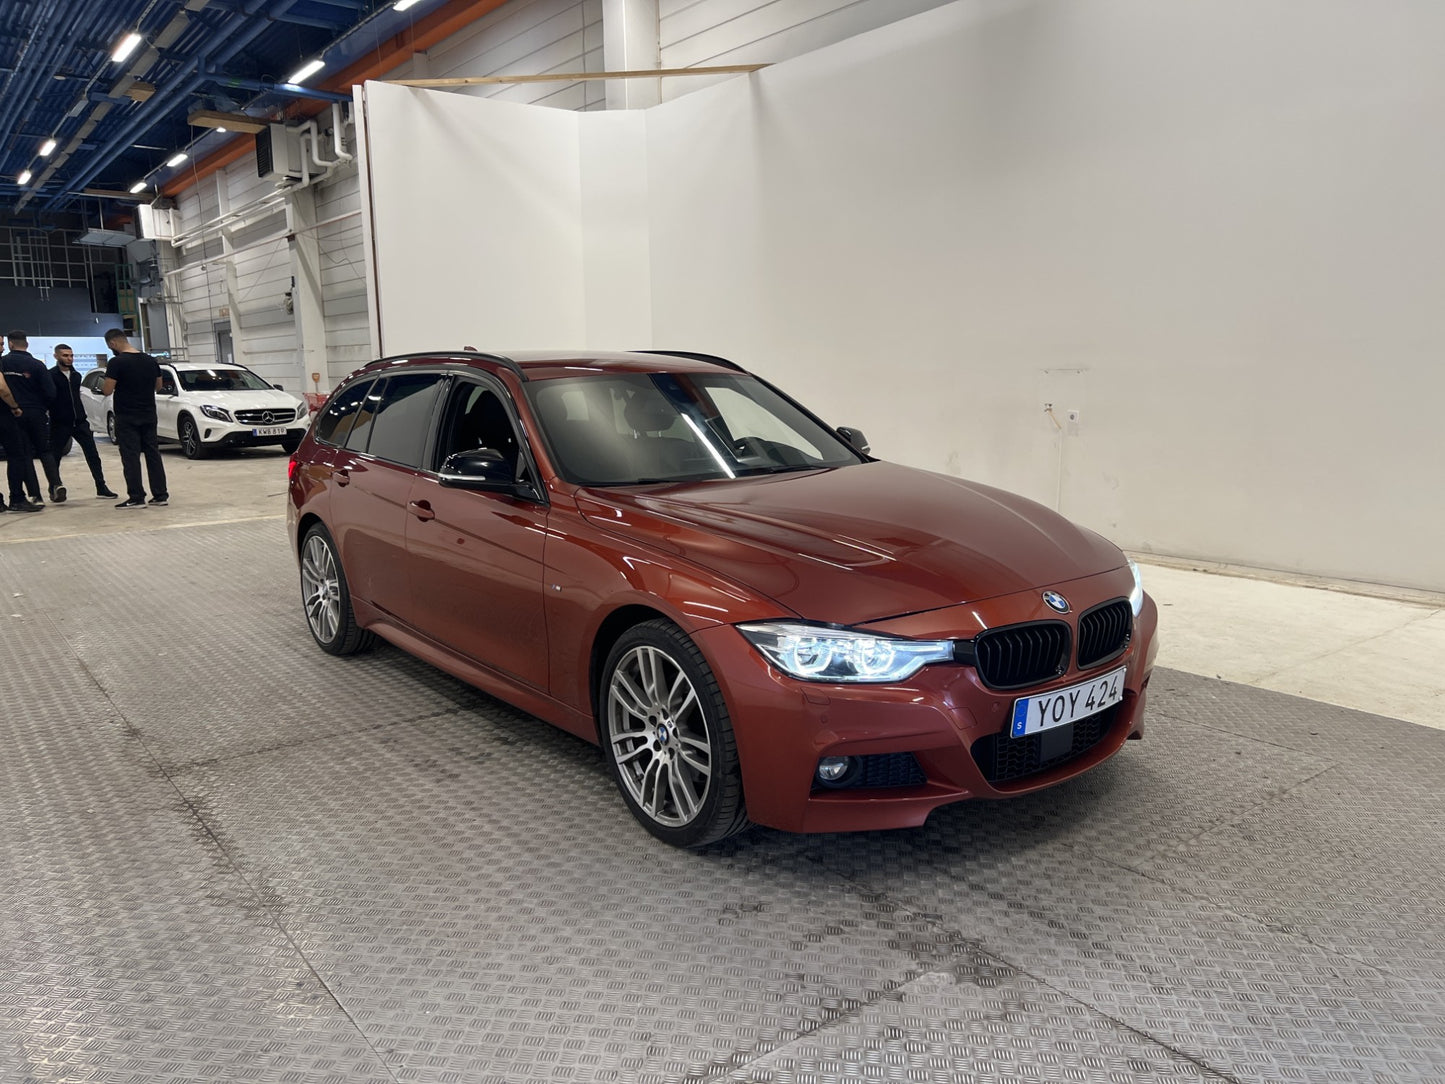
x=526, y=37
x=343, y=277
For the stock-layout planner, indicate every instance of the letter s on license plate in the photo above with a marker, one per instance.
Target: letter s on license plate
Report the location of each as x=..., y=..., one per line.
x=1045, y=711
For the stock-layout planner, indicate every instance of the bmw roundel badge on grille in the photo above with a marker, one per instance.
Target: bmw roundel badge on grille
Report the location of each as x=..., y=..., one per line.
x=1056, y=602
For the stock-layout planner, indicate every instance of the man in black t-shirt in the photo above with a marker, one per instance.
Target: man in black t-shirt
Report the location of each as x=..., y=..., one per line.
x=134, y=378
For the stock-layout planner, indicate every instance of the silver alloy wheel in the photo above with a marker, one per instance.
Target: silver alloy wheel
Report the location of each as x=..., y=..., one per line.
x=659, y=736
x=321, y=588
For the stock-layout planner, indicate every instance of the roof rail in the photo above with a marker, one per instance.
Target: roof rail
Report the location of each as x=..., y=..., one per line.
x=500, y=359
x=695, y=356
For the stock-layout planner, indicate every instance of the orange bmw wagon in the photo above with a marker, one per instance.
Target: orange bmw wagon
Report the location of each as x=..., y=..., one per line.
x=756, y=620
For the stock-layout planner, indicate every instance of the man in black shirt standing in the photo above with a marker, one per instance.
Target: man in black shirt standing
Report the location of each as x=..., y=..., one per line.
x=134, y=378
x=67, y=418
x=33, y=389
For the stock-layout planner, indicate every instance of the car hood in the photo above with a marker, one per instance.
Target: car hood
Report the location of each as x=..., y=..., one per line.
x=245, y=400
x=860, y=543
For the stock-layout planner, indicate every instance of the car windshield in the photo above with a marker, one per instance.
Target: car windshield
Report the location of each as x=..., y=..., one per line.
x=637, y=428
x=221, y=380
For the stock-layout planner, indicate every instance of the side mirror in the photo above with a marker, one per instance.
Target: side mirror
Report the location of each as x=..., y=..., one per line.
x=278, y=387
x=855, y=438
x=481, y=468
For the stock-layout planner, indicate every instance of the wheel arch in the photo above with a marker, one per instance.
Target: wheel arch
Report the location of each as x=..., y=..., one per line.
x=613, y=626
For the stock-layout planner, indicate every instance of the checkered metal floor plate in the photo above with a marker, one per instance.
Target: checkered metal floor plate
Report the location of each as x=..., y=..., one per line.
x=227, y=856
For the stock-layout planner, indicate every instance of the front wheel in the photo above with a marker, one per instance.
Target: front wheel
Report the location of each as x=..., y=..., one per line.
x=327, y=600
x=110, y=426
x=667, y=738
x=290, y=444
x=191, y=445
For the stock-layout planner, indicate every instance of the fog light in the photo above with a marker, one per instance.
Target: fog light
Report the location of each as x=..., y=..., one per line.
x=833, y=771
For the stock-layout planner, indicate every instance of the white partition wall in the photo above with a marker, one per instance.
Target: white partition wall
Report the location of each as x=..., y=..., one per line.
x=475, y=219
x=1213, y=231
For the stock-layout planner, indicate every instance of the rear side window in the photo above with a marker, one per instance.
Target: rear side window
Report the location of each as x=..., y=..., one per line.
x=399, y=418
x=335, y=421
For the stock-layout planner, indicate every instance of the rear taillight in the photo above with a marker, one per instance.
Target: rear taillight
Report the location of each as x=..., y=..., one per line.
x=291, y=467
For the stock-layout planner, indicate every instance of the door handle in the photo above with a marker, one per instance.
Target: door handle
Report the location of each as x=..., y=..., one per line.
x=421, y=510
x=342, y=476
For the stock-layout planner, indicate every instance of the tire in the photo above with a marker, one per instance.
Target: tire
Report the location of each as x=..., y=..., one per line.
x=326, y=598
x=290, y=444
x=667, y=738
x=110, y=426
x=191, y=444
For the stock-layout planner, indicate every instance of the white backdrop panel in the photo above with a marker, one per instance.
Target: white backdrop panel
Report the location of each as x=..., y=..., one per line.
x=1211, y=229
x=475, y=219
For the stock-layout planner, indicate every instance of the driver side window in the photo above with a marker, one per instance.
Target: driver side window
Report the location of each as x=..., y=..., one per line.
x=476, y=418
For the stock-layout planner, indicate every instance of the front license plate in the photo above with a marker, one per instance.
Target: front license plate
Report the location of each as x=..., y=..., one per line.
x=1033, y=714
x=270, y=431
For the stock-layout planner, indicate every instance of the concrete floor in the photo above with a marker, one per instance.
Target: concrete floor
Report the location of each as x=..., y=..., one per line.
x=1373, y=649
x=227, y=856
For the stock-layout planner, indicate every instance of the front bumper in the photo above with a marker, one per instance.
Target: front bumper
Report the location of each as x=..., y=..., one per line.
x=783, y=726
x=216, y=434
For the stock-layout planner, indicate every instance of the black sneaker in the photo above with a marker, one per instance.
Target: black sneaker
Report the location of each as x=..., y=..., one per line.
x=36, y=502
x=26, y=506
x=132, y=503
x=57, y=494
x=159, y=501
x=103, y=494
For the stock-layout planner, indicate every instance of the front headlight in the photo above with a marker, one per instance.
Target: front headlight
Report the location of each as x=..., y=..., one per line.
x=814, y=653
x=1136, y=596
x=216, y=413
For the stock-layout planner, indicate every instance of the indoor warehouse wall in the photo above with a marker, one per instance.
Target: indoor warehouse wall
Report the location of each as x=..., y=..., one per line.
x=1212, y=231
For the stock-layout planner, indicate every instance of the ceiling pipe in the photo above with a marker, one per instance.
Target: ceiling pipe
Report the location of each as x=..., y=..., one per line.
x=288, y=90
x=434, y=28
x=20, y=94
x=242, y=30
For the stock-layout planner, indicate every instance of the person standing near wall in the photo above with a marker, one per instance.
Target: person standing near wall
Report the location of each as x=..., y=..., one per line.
x=34, y=390
x=13, y=442
x=134, y=377
x=68, y=420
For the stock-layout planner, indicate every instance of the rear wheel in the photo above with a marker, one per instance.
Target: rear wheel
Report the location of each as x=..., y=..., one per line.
x=191, y=444
x=327, y=600
x=667, y=738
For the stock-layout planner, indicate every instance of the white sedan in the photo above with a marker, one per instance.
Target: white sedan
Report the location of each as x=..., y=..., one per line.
x=206, y=407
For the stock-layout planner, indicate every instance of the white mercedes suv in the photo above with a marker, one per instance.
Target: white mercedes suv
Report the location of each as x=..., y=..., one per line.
x=205, y=407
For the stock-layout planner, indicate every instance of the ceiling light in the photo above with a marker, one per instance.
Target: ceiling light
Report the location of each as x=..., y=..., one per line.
x=47, y=148
x=402, y=5
x=127, y=46
x=221, y=122
x=139, y=186
x=23, y=179
x=177, y=159
x=306, y=71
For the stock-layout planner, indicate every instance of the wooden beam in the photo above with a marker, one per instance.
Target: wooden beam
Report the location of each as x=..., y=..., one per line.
x=572, y=77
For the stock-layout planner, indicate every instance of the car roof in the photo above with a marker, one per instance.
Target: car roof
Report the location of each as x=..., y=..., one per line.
x=553, y=364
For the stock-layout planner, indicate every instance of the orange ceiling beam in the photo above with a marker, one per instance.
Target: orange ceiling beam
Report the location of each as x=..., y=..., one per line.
x=390, y=55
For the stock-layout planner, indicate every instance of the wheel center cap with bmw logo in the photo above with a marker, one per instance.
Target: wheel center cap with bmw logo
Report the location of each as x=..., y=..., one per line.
x=1056, y=602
